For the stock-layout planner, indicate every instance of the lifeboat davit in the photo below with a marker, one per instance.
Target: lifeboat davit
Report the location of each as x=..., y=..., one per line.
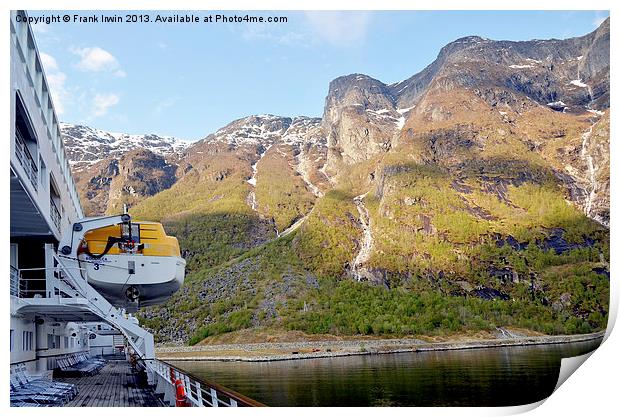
x=133, y=264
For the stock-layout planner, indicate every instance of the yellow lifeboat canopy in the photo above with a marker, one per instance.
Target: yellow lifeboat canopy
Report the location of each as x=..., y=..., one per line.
x=132, y=264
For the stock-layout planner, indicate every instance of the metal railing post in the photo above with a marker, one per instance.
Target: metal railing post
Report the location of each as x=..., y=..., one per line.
x=214, y=401
x=199, y=394
x=188, y=387
x=49, y=271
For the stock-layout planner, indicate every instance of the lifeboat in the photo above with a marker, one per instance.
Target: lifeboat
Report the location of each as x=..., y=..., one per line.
x=133, y=264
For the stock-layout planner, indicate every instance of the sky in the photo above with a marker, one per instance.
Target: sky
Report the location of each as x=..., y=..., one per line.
x=188, y=80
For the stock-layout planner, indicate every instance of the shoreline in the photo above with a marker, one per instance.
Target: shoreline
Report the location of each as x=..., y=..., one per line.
x=273, y=351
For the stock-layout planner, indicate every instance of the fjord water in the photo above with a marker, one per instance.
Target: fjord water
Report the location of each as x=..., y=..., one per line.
x=476, y=377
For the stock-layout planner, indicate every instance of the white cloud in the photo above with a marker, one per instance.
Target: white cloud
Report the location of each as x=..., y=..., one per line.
x=102, y=102
x=273, y=33
x=293, y=38
x=164, y=104
x=340, y=28
x=49, y=62
x=56, y=81
x=96, y=59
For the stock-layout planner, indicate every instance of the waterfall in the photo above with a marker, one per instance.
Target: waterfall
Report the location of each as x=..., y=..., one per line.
x=357, y=269
x=251, y=200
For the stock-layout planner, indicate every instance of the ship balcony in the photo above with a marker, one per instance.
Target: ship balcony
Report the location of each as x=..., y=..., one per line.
x=30, y=217
x=28, y=283
x=25, y=159
x=55, y=214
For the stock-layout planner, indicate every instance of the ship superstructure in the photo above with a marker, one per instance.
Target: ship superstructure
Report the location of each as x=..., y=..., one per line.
x=43, y=201
x=75, y=280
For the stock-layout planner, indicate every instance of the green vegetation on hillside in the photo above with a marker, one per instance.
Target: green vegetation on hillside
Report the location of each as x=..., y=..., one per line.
x=327, y=240
x=273, y=289
x=464, y=246
x=281, y=193
x=349, y=308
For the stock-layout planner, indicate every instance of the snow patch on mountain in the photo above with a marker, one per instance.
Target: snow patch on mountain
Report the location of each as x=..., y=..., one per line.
x=579, y=83
x=267, y=129
x=86, y=145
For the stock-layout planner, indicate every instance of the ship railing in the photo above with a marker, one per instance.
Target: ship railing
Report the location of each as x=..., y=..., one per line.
x=55, y=213
x=25, y=159
x=200, y=392
x=28, y=287
x=14, y=281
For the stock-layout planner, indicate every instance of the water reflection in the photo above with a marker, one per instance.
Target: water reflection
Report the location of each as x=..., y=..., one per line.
x=477, y=377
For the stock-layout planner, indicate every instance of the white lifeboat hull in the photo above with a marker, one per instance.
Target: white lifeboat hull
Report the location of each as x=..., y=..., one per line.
x=155, y=278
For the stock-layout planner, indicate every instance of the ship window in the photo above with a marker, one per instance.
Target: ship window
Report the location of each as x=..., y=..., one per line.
x=14, y=255
x=27, y=340
x=57, y=342
x=54, y=193
x=50, y=341
x=72, y=342
x=135, y=232
x=12, y=335
x=66, y=342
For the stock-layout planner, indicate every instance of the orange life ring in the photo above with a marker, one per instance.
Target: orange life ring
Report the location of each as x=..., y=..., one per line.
x=181, y=397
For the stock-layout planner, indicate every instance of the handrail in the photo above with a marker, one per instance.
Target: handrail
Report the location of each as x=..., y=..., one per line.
x=201, y=392
x=26, y=159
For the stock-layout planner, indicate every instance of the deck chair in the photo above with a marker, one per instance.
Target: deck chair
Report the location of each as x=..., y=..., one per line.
x=21, y=369
x=22, y=394
x=20, y=403
x=69, y=366
x=97, y=363
x=83, y=362
x=45, y=386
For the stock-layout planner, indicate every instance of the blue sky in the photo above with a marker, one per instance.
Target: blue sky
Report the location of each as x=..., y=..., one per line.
x=188, y=80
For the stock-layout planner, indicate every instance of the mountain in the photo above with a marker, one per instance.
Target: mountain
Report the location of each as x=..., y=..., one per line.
x=265, y=166
x=470, y=196
x=86, y=145
x=364, y=117
x=112, y=169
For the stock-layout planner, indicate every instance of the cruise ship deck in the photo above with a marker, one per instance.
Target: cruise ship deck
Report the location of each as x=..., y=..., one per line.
x=114, y=386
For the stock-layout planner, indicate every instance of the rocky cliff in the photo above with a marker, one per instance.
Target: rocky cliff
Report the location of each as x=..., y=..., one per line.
x=364, y=117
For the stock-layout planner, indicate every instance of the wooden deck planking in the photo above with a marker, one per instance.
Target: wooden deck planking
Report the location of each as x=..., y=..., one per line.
x=114, y=386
